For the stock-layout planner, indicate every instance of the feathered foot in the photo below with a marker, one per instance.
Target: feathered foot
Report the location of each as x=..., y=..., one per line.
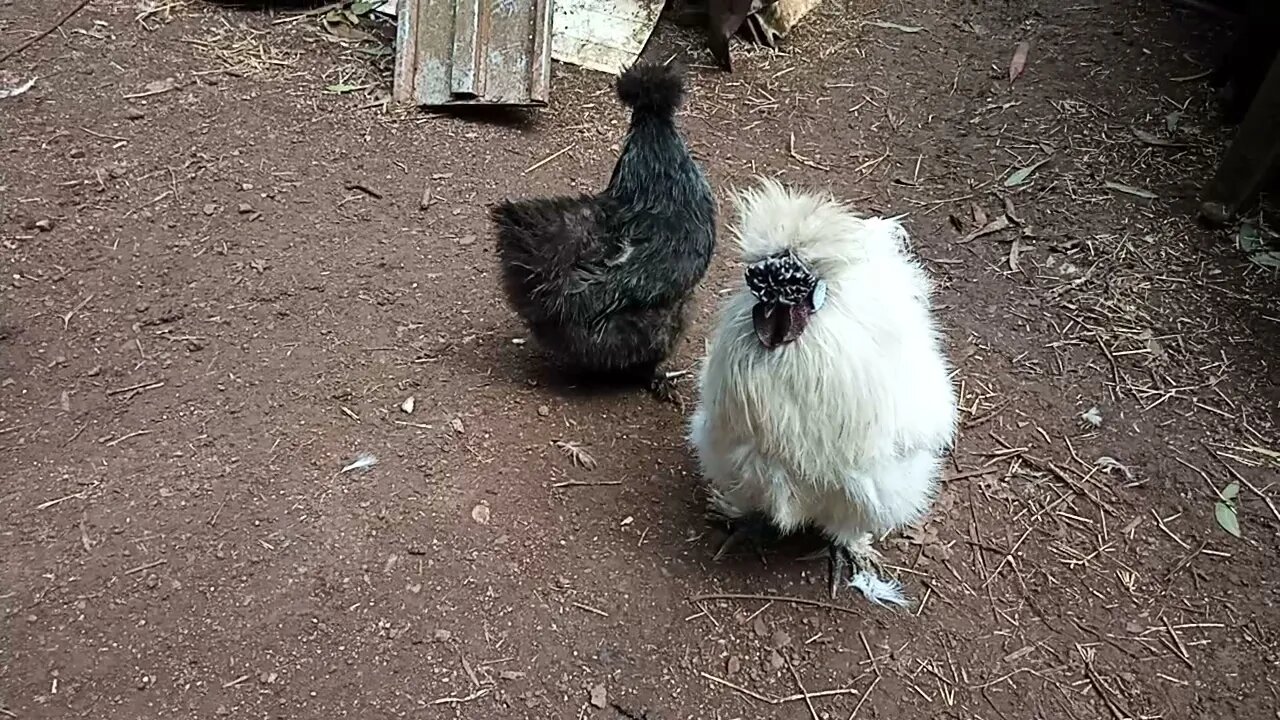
x=743, y=525
x=861, y=562
x=753, y=528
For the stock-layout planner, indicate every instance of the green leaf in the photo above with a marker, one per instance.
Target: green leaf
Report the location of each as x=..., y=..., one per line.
x=1226, y=516
x=341, y=88
x=1130, y=190
x=1230, y=492
x=363, y=8
x=1152, y=139
x=1250, y=239
x=1020, y=176
x=894, y=26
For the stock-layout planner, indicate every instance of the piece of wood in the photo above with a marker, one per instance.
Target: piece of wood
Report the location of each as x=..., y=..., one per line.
x=473, y=52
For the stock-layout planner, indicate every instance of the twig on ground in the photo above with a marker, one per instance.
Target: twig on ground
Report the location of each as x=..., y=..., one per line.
x=773, y=598
x=148, y=566
x=46, y=32
x=1243, y=480
x=584, y=483
x=800, y=686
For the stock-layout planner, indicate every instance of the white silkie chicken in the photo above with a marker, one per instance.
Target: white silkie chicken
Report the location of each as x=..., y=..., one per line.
x=825, y=398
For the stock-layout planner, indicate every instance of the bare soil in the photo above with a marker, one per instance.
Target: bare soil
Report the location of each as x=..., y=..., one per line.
x=218, y=294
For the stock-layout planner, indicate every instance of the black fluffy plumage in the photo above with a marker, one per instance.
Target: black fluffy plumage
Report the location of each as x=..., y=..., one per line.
x=1243, y=68
x=602, y=280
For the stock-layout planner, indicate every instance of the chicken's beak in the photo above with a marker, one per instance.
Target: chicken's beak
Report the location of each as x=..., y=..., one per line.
x=778, y=324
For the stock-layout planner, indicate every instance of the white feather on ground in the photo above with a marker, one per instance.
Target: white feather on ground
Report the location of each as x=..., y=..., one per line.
x=878, y=590
x=363, y=461
x=844, y=429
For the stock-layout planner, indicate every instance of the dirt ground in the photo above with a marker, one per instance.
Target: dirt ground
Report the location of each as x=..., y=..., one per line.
x=226, y=266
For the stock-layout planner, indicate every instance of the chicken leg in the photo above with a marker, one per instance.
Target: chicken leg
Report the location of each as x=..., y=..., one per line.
x=851, y=558
x=743, y=524
x=754, y=528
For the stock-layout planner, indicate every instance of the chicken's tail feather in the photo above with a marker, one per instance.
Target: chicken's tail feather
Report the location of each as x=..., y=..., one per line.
x=651, y=89
x=538, y=244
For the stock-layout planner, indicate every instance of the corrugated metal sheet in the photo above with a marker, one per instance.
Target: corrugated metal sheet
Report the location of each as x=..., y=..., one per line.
x=473, y=52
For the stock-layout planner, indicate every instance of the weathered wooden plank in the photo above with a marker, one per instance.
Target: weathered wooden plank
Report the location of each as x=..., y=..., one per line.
x=474, y=51
x=540, y=58
x=467, y=73
x=407, y=22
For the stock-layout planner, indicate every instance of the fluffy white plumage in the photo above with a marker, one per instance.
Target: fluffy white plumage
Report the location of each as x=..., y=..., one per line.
x=843, y=429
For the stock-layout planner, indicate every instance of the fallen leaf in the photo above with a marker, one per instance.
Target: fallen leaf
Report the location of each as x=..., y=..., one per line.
x=995, y=226
x=341, y=88
x=1151, y=139
x=1130, y=190
x=1171, y=120
x=1018, y=64
x=1107, y=464
x=894, y=26
x=18, y=90
x=1251, y=241
x=1010, y=211
x=599, y=697
x=1020, y=176
x=156, y=87
x=1015, y=248
x=979, y=215
x=1230, y=492
x=1226, y=516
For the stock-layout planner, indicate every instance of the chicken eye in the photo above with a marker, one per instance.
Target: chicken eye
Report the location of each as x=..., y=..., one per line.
x=819, y=297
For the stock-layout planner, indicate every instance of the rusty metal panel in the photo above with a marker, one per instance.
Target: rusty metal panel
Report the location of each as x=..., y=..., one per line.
x=473, y=52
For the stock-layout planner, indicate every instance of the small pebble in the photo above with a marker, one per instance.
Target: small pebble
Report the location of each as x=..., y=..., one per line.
x=599, y=696
x=781, y=640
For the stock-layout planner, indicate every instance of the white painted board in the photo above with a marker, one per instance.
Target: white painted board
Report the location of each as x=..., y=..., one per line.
x=603, y=35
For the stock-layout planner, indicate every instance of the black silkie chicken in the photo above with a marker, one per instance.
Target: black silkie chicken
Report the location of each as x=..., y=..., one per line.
x=602, y=280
